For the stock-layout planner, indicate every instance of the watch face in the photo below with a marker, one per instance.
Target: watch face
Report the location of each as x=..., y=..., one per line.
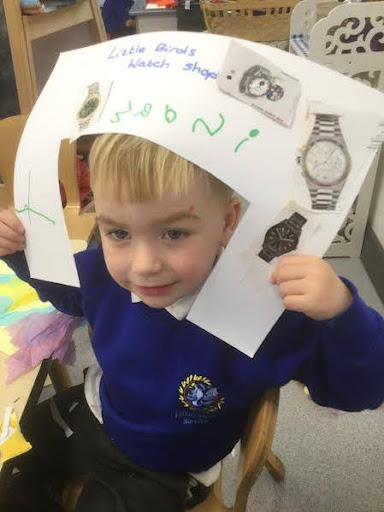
x=259, y=85
x=275, y=92
x=281, y=238
x=89, y=107
x=326, y=162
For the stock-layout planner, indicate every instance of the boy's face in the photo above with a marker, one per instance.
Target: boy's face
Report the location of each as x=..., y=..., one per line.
x=164, y=250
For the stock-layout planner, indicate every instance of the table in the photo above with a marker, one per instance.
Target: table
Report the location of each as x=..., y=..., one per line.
x=19, y=391
x=24, y=393
x=153, y=20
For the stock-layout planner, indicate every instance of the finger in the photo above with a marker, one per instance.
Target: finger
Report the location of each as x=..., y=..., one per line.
x=8, y=247
x=296, y=303
x=10, y=233
x=287, y=261
x=297, y=287
x=290, y=272
x=12, y=221
x=297, y=258
x=272, y=277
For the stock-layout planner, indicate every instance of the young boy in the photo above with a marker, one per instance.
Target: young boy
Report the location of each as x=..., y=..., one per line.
x=170, y=400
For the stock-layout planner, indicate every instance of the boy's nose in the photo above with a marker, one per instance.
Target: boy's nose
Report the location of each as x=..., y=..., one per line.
x=145, y=261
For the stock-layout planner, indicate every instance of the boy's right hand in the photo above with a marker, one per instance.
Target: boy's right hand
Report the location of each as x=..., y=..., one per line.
x=12, y=233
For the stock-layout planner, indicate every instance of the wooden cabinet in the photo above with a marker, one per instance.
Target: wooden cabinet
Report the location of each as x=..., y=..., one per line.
x=37, y=40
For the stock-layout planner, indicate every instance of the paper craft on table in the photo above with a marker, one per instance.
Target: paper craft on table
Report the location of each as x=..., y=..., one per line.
x=17, y=300
x=164, y=86
x=31, y=330
x=12, y=441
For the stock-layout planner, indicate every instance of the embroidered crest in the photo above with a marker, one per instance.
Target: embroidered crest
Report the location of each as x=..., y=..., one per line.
x=197, y=393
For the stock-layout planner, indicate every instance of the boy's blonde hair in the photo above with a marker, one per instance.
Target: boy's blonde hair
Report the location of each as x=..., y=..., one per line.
x=137, y=170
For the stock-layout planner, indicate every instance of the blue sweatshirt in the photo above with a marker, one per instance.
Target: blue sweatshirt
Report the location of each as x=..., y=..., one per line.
x=175, y=398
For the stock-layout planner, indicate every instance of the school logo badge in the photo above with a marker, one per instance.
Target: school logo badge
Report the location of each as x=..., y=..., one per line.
x=197, y=393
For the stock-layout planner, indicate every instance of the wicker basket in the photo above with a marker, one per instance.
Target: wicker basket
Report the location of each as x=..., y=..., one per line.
x=255, y=20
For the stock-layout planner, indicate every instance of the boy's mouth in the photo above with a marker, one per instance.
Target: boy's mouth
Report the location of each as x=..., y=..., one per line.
x=154, y=291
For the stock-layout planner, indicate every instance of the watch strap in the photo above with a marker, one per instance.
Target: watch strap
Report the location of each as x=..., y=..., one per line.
x=267, y=254
x=93, y=88
x=297, y=221
x=324, y=199
x=327, y=124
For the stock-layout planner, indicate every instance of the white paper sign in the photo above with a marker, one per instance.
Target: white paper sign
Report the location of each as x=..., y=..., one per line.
x=163, y=86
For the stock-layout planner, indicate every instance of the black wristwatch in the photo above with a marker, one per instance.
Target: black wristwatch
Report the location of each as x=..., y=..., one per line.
x=282, y=237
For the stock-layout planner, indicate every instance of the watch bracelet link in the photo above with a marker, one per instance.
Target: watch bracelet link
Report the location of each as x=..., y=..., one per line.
x=92, y=89
x=83, y=124
x=267, y=254
x=297, y=221
x=327, y=124
x=324, y=199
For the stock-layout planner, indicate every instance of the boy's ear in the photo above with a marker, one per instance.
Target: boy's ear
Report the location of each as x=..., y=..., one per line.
x=231, y=220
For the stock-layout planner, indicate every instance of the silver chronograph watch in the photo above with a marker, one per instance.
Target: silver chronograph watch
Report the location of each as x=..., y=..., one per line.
x=325, y=162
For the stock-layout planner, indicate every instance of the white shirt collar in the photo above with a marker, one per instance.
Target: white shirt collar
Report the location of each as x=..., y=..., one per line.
x=181, y=307
x=178, y=309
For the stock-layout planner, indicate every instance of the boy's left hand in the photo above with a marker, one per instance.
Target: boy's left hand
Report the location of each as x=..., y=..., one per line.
x=308, y=284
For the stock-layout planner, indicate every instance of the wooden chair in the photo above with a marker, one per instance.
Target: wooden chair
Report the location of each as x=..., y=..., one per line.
x=80, y=227
x=255, y=454
x=264, y=21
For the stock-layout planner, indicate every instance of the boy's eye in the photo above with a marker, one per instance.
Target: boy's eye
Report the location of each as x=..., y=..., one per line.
x=119, y=234
x=175, y=234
